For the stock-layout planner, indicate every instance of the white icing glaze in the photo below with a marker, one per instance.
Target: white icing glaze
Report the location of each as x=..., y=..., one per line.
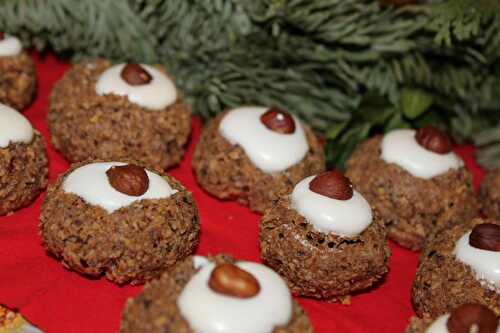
x=209, y=312
x=485, y=264
x=400, y=147
x=439, y=325
x=269, y=151
x=90, y=182
x=341, y=217
x=13, y=127
x=10, y=46
x=156, y=95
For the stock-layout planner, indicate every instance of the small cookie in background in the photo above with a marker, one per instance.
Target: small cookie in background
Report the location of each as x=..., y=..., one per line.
x=134, y=111
x=17, y=73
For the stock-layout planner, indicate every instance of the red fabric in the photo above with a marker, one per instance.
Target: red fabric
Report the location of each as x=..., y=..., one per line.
x=58, y=300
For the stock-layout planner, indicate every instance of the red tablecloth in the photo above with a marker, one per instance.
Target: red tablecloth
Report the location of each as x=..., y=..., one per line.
x=58, y=300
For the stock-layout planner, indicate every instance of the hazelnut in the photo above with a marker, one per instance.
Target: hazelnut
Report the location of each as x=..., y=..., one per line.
x=332, y=184
x=433, y=139
x=135, y=75
x=129, y=179
x=485, y=236
x=230, y=280
x=465, y=317
x=278, y=120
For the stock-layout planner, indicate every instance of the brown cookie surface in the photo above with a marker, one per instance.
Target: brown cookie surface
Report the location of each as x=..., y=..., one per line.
x=23, y=173
x=17, y=80
x=490, y=194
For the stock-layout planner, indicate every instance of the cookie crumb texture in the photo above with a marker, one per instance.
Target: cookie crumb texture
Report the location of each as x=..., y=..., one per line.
x=412, y=208
x=17, y=80
x=442, y=283
x=317, y=264
x=23, y=173
x=225, y=171
x=155, y=309
x=133, y=244
x=85, y=125
x=490, y=194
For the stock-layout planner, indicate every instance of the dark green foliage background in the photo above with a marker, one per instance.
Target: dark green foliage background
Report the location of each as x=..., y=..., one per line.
x=350, y=68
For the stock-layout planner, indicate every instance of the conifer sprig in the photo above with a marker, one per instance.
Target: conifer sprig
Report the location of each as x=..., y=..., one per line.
x=350, y=68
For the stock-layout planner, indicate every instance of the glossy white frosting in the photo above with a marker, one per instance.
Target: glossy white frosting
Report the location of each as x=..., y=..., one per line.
x=14, y=127
x=439, y=325
x=156, y=95
x=342, y=217
x=269, y=151
x=90, y=183
x=10, y=46
x=400, y=147
x=209, y=312
x=485, y=264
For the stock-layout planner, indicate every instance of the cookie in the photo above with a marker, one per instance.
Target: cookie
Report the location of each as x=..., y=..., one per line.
x=459, y=265
x=324, y=239
x=102, y=111
x=119, y=220
x=17, y=73
x=416, y=190
x=250, y=154
x=215, y=294
x=23, y=161
x=462, y=319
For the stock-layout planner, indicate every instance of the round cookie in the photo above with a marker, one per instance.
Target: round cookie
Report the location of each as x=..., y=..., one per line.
x=17, y=73
x=23, y=161
x=490, y=194
x=462, y=319
x=215, y=294
x=252, y=153
x=324, y=239
x=118, y=220
x=459, y=265
x=417, y=185
x=124, y=111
